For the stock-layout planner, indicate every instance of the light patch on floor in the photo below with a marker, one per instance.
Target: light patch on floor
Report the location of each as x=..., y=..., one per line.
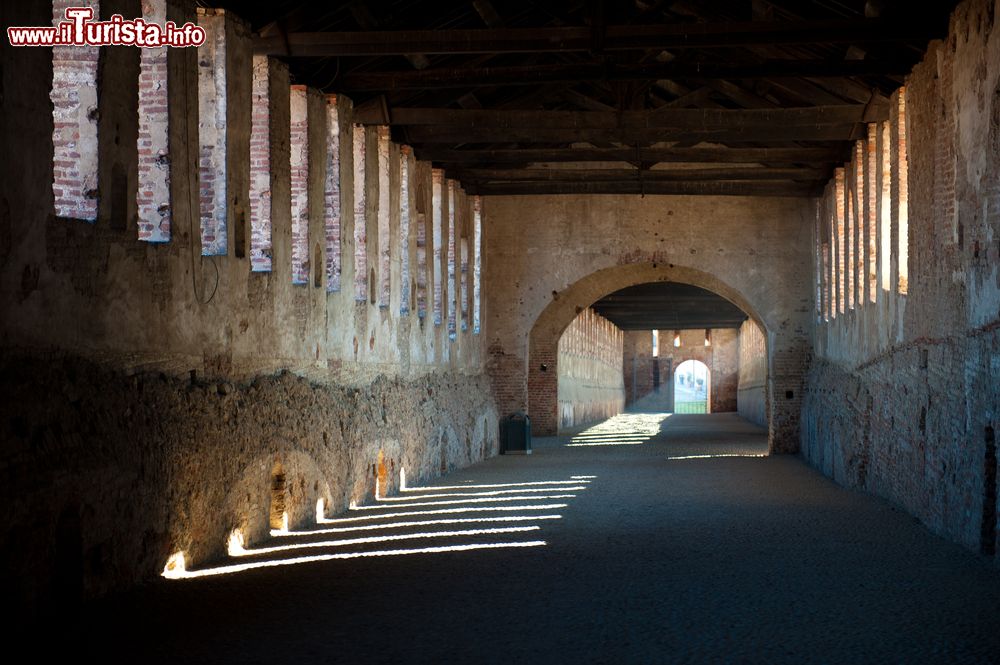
x=380, y=539
x=544, y=497
x=625, y=429
x=398, y=525
x=180, y=573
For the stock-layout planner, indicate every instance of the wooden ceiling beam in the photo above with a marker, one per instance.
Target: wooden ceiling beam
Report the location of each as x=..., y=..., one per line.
x=697, y=119
x=518, y=158
x=616, y=37
x=465, y=77
x=696, y=188
x=485, y=175
x=443, y=134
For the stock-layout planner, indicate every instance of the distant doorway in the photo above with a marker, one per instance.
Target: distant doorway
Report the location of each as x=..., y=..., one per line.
x=691, y=387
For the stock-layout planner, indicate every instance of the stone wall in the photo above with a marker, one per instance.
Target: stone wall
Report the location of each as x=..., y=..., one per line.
x=590, y=370
x=638, y=366
x=149, y=391
x=145, y=464
x=903, y=399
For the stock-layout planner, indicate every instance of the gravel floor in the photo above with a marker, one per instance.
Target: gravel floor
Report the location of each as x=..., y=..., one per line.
x=675, y=542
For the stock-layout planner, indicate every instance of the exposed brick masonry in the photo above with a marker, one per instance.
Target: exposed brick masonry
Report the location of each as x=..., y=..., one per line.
x=154, y=157
x=261, y=252
x=360, y=230
x=74, y=123
x=903, y=394
x=212, y=132
x=300, y=184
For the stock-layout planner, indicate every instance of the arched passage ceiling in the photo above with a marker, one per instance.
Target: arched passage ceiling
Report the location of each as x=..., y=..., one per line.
x=668, y=306
x=746, y=97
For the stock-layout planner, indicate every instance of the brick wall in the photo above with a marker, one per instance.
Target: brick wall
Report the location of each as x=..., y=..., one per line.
x=638, y=365
x=383, y=283
x=450, y=258
x=331, y=196
x=360, y=205
x=408, y=287
x=299, y=144
x=903, y=396
x=212, y=133
x=153, y=199
x=260, y=167
x=721, y=358
x=477, y=262
x=437, y=213
x=74, y=122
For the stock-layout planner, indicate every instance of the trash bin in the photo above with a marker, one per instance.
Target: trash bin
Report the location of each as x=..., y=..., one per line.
x=515, y=435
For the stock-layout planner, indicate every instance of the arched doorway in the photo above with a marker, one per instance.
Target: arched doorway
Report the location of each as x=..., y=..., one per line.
x=692, y=385
x=541, y=396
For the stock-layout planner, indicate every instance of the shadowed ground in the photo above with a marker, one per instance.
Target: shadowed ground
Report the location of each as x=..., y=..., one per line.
x=674, y=551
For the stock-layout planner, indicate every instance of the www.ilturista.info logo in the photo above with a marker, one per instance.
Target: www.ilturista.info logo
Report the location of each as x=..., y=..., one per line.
x=79, y=29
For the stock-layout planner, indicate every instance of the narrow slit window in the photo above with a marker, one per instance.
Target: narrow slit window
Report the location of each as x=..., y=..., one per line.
x=299, y=145
x=885, y=205
x=153, y=198
x=904, y=248
x=384, y=250
x=422, y=235
x=839, y=238
x=850, y=234
x=332, y=212
x=212, y=133
x=465, y=282
x=831, y=241
x=871, y=218
x=477, y=262
x=437, y=180
x=452, y=293
x=860, y=227
x=74, y=120
x=404, y=229
x=260, y=166
x=818, y=264
x=360, y=232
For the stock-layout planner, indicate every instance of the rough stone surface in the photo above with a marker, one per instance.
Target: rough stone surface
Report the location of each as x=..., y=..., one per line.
x=124, y=459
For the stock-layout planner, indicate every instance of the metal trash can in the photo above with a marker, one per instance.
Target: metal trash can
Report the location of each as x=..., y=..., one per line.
x=515, y=435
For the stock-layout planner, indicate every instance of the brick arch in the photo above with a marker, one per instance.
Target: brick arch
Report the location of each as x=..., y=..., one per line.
x=543, y=340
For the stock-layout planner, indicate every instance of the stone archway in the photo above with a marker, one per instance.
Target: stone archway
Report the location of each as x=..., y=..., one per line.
x=543, y=340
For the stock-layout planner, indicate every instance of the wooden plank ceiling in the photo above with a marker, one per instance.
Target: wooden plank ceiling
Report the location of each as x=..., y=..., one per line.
x=755, y=97
x=668, y=306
